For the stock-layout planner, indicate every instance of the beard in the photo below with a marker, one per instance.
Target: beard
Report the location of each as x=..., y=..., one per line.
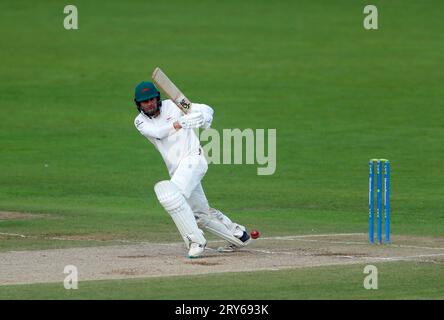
x=151, y=112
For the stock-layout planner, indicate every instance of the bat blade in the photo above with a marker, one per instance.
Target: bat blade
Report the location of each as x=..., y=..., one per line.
x=170, y=89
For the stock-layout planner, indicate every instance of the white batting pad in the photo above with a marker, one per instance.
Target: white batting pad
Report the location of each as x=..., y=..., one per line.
x=220, y=225
x=175, y=204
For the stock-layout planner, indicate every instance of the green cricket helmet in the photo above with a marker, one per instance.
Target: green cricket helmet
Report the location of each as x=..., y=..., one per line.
x=146, y=91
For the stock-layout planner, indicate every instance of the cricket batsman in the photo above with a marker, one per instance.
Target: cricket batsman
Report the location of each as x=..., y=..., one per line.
x=182, y=196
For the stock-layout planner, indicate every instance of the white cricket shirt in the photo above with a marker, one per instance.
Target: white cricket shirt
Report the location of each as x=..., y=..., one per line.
x=173, y=145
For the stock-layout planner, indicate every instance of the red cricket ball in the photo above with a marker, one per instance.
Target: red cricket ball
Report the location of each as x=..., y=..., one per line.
x=255, y=234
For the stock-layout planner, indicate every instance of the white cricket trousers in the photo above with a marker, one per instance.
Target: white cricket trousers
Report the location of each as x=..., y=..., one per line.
x=187, y=178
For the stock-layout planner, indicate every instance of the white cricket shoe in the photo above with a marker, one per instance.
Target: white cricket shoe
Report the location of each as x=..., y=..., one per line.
x=196, y=250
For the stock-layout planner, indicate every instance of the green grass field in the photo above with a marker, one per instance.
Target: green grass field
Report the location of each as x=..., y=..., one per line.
x=337, y=95
x=400, y=280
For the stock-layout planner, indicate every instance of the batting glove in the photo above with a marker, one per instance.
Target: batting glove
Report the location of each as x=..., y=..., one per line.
x=192, y=120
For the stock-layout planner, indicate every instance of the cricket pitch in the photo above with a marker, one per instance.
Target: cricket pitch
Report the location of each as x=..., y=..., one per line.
x=168, y=259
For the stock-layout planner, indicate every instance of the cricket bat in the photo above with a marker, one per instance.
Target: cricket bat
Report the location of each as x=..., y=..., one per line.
x=169, y=88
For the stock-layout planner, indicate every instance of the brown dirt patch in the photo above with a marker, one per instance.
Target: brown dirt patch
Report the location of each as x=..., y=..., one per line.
x=8, y=215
